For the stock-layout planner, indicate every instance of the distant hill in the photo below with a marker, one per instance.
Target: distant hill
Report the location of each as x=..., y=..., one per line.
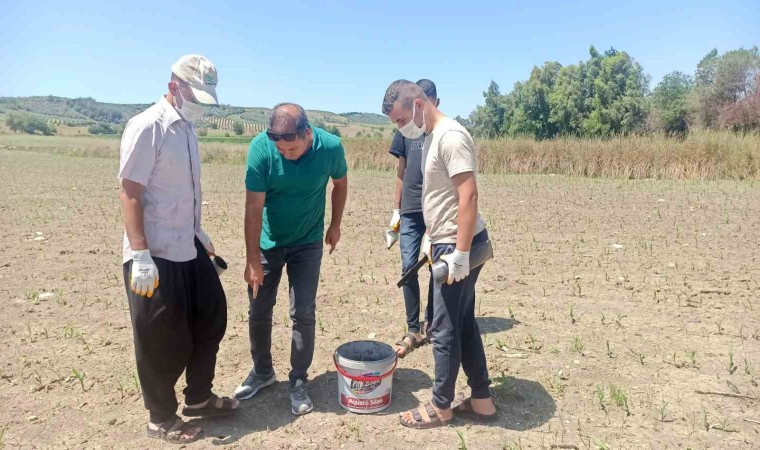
x=368, y=118
x=87, y=111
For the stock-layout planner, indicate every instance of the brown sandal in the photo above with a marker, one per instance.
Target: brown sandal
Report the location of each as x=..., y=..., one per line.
x=213, y=408
x=407, y=347
x=462, y=407
x=434, y=421
x=172, y=431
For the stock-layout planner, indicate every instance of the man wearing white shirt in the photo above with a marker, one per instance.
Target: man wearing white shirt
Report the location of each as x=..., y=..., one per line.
x=177, y=303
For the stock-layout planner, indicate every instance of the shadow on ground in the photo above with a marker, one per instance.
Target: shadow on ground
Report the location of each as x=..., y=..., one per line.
x=495, y=324
x=523, y=404
x=270, y=409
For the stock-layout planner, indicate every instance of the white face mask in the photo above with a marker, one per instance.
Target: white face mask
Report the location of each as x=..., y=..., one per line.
x=192, y=112
x=411, y=130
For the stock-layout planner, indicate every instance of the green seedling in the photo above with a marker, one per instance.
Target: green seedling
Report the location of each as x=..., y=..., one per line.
x=747, y=367
x=533, y=343
x=321, y=325
x=356, y=430
x=37, y=378
x=556, y=385
x=573, y=319
x=577, y=345
x=33, y=296
x=600, y=444
x=512, y=445
x=731, y=366
x=620, y=398
x=511, y=313
x=609, y=351
x=692, y=355
x=661, y=414
x=600, y=396
x=619, y=320
x=638, y=355
x=69, y=331
x=136, y=383
x=79, y=376
x=462, y=443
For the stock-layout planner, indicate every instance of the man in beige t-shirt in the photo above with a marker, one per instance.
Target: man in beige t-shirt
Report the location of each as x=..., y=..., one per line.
x=450, y=208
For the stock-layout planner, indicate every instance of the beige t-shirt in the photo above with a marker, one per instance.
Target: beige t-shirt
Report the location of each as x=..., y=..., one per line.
x=449, y=150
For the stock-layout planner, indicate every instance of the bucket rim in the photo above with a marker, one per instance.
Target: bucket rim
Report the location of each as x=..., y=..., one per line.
x=391, y=354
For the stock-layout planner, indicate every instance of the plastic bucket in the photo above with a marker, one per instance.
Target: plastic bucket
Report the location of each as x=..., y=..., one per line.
x=365, y=375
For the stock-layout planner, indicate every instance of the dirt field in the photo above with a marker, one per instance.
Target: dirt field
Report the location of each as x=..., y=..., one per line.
x=610, y=304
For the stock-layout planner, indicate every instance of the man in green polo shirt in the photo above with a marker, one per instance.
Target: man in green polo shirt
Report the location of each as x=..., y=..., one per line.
x=288, y=168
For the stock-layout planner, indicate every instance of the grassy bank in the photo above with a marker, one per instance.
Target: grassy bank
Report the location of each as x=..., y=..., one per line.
x=702, y=155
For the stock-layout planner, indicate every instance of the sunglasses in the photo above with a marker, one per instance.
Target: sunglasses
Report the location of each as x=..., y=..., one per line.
x=287, y=137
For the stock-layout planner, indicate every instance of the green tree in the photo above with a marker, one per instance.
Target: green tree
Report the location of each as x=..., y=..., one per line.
x=29, y=124
x=238, y=128
x=566, y=101
x=603, y=96
x=487, y=120
x=532, y=111
x=617, y=100
x=705, y=74
x=669, y=101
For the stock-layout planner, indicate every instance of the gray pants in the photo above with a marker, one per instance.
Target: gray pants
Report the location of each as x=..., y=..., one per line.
x=302, y=264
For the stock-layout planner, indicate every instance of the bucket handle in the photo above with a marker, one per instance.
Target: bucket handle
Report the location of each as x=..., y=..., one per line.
x=362, y=378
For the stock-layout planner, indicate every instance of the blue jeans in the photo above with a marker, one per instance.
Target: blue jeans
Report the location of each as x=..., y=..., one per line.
x=303, y=263
x=411, y=231
x=456, y=337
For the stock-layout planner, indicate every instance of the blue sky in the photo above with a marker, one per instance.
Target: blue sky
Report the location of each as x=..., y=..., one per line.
x=340, y=56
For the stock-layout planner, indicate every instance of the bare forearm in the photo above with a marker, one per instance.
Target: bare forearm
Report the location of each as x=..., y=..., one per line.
x=400, y=169
x=252, y=231
x=133, y=221
x=338, y=202
x=397, y=194
x=466, y=220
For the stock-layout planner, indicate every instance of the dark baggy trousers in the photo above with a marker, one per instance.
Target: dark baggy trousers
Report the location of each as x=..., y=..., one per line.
x=177, y=329
x=303, y=264
x=411, y=231
x=456, y=337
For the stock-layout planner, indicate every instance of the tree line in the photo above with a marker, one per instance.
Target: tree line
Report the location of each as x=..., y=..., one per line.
x=609, y=95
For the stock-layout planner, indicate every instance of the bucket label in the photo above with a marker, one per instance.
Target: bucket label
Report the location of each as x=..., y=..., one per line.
x=363, y=387
x=365, y=404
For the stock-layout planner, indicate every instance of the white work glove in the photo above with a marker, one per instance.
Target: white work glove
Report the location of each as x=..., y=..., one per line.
x=144, y=273
x=427, y=247
x=395, y=220
x=459, y=265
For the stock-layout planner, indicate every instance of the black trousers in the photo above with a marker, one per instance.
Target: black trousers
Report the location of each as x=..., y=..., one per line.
x=303, y=264
x=456, y=336
x=176, y=330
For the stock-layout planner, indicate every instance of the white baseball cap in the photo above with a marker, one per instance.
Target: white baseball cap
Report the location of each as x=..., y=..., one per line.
x=198, y=72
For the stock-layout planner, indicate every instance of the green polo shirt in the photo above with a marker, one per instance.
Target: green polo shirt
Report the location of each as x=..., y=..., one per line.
x=294, y=209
